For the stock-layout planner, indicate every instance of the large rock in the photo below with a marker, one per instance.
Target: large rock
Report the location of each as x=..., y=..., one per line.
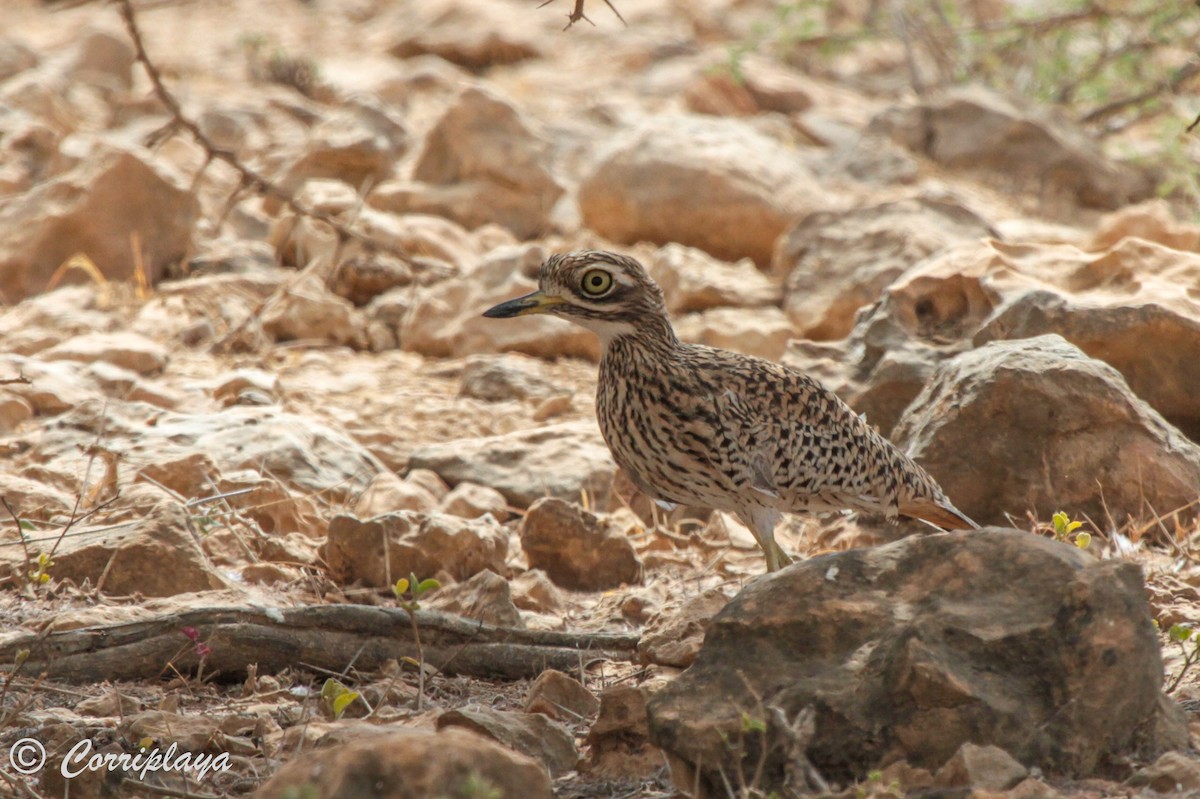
x=1036, y=425
x=763, y=332
x=411, y=764
x=158, y=556
x=245, y=443
x=470, y=33
x=485, y=597
x=507, y=377
x=530, y=734
x=911, y=649
x=975, y=129
x=716, y=184
x=482, y=162
x=359, y=145
x=693, y=280
x=577, y=549
x=836, y=262
x=559, y=460
x=1110, y=306
x=1108, y=303
x=380, y=551
x=673, y=637
x=124, y=349
x=94, y=209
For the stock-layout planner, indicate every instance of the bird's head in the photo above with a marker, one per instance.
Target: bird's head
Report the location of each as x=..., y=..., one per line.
x=609, y=294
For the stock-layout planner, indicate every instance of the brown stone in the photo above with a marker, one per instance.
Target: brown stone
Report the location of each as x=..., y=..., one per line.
x=910, y=649
x=532, y=735
x=411, y=764
x=560, y=696
x=412, y=543
x=577, y=549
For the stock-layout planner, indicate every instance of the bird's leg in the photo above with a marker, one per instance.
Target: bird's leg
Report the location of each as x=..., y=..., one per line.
x=761, y=522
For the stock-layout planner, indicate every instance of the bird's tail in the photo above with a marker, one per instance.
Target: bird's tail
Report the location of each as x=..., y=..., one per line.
x=942, y=514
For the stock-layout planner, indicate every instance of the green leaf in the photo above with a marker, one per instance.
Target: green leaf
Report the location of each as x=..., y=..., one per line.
x=400, y=588
x=427, y=585
x=25, y=524
x=1083, y=540
x=1179, y=632
x=342, y=701
x=751, y=724
x=331, y=690
x=1073, y=526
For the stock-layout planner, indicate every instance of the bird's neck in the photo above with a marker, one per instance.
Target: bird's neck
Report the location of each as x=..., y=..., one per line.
x=647, y=337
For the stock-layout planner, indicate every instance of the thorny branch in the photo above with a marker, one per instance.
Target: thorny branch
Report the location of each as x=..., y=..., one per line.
x=250, y=179
x=577, y=13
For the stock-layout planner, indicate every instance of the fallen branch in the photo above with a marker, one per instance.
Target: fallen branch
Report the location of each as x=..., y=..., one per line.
x=323, y=636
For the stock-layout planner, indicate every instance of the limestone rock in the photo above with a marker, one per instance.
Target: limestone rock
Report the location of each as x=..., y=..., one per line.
x=470, y=501
x=619, y=740
x=532, y=590
x=836, y=262
x=693, y=280
x=996, y=637
x=1173, y=773
x=517, y=464
x=483, y=162
x=156, y=557
x=531, y=734
x=1167, y=375
x=309, y=311
x=505, y=377
x=673, y=636
x=577, y=549
x=716, y=184
x=412, y=543
x=763, y=332
x=54, y=386
x=94, y=208
x=126, y=350
x=474, y=35
x=300, y=451
x=101, y=58
x=485, y=597
x=358, y=145
x=975, y=129
x=388, y=493
x=411, y=764
x=1151, y=221
x=1034, y=424
x=989, y=768
x=560, y=696
x=13, y=411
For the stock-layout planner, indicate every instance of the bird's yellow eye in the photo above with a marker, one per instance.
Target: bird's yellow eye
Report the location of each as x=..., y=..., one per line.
x=596, y=282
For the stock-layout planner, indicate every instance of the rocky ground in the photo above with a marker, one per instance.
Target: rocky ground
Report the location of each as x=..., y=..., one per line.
x=248, y=407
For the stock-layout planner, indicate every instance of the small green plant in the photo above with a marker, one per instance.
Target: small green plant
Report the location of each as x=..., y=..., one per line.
x=875, y=787
x=1184, y=636
x=751, y=724
x=336, y=697
x=1064, y=528
x=41, y=575
x=408, y=591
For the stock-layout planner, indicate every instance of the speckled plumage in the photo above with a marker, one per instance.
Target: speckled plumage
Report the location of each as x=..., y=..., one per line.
x=696, y=425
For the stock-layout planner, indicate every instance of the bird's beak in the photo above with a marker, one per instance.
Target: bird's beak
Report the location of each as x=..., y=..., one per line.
x=537, y=302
